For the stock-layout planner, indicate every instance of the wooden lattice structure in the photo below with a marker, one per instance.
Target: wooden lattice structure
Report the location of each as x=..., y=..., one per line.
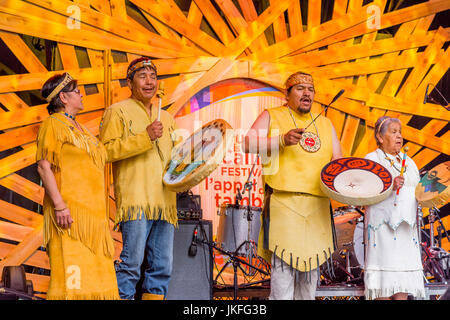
x=381, y=52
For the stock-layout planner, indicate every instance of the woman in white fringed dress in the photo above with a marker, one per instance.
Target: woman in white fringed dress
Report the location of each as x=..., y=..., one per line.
x=393, y=267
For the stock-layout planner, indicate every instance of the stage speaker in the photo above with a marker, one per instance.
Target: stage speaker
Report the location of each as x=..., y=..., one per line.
x=13, y=277
x=192, y=262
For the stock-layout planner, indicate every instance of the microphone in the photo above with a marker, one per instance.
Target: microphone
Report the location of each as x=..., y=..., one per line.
x=326, y=107
x=425, y=99
x=337, y=96
x=193, y=247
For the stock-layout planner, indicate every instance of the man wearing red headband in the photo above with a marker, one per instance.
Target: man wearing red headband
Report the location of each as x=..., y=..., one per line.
x=297, y=231
x=140, y=145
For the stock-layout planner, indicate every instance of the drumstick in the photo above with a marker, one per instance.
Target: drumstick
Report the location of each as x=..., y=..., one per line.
x=405, y=149
x=160, y=95
x=402, y=170
x=326, y=107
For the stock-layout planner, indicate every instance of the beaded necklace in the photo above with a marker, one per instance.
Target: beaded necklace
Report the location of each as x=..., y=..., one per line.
x=69, y=116
x=309, y=142
x=392, y=161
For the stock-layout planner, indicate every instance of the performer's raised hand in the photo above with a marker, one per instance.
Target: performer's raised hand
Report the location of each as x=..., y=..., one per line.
x=155, y=130
x=293, y=136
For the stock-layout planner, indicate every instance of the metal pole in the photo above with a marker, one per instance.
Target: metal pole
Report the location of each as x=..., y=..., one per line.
x=431, y=219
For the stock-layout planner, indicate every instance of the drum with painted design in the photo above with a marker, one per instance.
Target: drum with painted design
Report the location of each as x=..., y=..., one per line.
x=356, y=181
x=198, y=156
x=433, y=189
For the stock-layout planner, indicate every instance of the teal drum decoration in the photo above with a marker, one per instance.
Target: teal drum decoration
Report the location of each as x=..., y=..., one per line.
x=433, y=189
x=198, y=156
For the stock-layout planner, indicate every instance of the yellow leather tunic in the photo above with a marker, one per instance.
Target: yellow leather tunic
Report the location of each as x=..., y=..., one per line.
x=137, y=165
x=299, y=170
x=300, y=230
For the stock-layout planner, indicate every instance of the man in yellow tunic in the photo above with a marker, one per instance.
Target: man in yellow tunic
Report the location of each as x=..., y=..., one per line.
x=139, y=145
x=297, y=234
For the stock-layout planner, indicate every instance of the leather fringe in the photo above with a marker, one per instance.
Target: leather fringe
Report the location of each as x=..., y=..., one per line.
x=110, y=295
x=88, y=227
x=149, y=212
x=55, y=132
x=307, y=264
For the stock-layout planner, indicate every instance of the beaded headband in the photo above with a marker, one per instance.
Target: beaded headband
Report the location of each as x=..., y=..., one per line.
x=59, y=87
x=298, y=78
x=381, y=124
x=141, y=64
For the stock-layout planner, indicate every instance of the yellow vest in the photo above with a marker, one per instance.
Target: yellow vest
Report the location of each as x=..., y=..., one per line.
x=293, y=169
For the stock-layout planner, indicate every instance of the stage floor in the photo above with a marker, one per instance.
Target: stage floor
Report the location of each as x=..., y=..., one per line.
x=341, y=292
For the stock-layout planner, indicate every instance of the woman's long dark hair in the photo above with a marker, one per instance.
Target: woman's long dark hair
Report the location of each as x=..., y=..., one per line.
x=56, y=104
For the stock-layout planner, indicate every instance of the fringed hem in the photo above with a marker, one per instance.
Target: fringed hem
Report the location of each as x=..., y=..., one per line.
x=88, y=228
x=386, y=283
x=371, y=294
x=109, y=295
x=394, y=227
x=311, y=263
x=149, y=212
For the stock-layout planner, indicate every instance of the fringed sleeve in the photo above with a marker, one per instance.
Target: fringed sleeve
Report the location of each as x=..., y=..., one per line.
x=48, y=144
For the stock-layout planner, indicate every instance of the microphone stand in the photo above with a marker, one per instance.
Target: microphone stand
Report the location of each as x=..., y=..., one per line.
x=248, y=186
x=18, y=294
x=430, y=261
x=434, y=217
x=326, y=107
x=432, y=100
x=234, y=258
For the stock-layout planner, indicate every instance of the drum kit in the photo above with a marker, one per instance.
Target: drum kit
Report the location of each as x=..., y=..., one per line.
x=355, y=182
x=238, y=228
x=237, y=238
x=348, y=258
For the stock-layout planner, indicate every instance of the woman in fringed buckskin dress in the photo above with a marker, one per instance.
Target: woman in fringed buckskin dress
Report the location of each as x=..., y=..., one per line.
x=76, y=229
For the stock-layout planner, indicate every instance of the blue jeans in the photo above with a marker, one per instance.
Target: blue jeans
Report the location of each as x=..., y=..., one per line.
x=140, y=237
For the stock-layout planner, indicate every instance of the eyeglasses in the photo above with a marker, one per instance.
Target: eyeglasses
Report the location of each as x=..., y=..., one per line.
x=77, y=91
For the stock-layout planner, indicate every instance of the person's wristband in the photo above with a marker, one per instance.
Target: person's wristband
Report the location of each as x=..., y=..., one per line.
x=61, y=209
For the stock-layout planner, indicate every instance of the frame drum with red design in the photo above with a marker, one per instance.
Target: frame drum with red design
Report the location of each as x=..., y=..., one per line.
x=356, y=181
